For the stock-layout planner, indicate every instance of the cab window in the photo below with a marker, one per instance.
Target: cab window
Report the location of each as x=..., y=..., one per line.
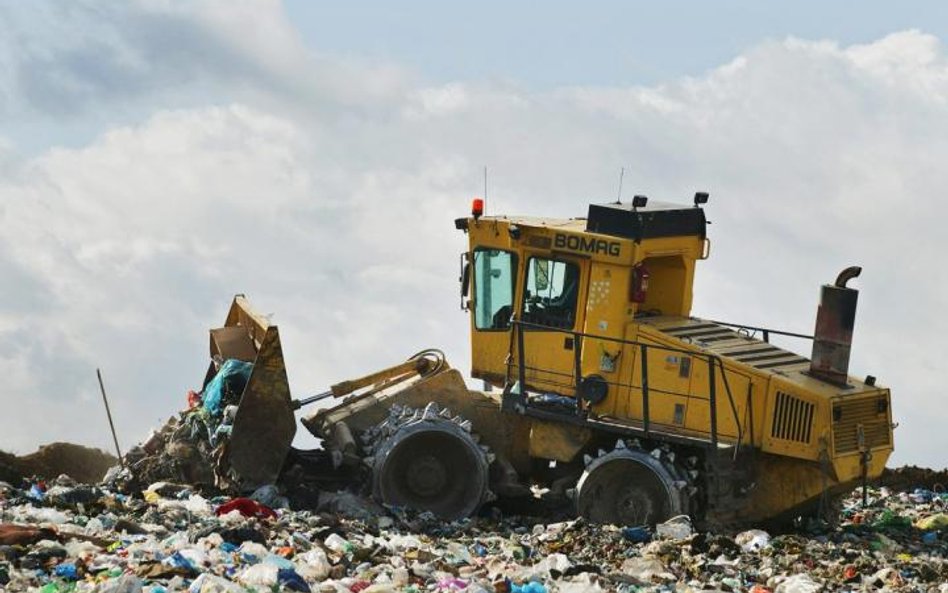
x=551, y=293
x=494, y=274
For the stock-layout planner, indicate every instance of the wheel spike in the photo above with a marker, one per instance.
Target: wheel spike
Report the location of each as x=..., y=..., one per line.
x=431, y=411
x=620, y=444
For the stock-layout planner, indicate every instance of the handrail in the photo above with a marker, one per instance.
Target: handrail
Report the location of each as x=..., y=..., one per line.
x=730, y=399
x=714, y=361
x=537, y=326
x=765, y=331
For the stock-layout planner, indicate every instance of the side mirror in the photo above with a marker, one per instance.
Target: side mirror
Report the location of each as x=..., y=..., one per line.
x=465, y=280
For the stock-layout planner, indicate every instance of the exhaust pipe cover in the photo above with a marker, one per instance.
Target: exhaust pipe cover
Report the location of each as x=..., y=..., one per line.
x=833, y=336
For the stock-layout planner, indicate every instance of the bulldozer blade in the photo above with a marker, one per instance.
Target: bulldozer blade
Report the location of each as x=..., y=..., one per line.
x=265, y=425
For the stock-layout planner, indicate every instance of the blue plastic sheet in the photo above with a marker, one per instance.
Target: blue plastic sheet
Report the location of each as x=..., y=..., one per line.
x=231, y=378
x=290, y=579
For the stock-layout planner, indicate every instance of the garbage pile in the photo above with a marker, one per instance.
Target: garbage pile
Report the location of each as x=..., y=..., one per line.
x=191, y=447
x=62, y=536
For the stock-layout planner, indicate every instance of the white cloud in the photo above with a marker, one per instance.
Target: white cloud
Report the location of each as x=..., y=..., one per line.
x=326, y=188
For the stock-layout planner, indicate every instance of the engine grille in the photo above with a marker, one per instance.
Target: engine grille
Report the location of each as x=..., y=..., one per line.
x=871, y=413
x=793, y=419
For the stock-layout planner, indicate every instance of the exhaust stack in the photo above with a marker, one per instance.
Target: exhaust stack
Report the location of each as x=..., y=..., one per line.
x=833, y=336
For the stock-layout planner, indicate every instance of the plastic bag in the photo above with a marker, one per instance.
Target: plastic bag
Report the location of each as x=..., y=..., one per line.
x=675, y=528
x=227, y=384
x=752, y=540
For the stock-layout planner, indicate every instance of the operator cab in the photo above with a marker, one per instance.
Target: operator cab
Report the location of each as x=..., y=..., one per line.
x=560, y=280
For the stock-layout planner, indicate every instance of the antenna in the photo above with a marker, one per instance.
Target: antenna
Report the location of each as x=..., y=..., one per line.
x=619, y=194
x=485, y=188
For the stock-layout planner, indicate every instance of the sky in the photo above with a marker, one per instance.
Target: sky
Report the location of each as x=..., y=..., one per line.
x=157, y=157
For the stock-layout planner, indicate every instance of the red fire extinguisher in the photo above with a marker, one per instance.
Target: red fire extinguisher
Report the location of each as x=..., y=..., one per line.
x=639, y=284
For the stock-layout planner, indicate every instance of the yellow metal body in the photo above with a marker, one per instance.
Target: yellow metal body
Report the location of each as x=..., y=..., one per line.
x=812, y=436
x=505, y=434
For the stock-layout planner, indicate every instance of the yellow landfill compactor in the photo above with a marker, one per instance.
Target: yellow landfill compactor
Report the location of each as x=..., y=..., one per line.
x=609, y=395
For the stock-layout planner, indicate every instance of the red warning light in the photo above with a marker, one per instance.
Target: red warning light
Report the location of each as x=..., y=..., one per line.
x=477, y=207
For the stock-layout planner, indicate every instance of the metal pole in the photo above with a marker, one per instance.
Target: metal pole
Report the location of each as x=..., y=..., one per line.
x=712, y=385
x=109, y=414
x=312, y=399
x=521, y=371
x=864, y=461
x=577, y=364
x=643, y=365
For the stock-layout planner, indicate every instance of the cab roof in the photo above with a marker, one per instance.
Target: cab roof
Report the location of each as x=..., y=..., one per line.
x=656, y=219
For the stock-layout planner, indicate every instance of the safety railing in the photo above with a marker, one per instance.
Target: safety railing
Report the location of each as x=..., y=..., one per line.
x=570, y=382
x=765, y=332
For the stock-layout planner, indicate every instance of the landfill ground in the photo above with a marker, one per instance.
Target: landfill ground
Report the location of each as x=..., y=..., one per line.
x=61, y=536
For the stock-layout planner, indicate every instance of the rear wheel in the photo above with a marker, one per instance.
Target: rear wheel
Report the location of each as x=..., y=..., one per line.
x=629, y=487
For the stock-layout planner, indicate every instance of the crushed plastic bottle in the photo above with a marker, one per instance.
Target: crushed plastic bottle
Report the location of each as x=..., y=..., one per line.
x=337, y=543
x=530, y=587
x=259, y=575
x=799, y=583
x=123, y=584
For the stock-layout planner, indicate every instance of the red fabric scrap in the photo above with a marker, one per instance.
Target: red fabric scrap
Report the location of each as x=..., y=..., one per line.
x=246, y=507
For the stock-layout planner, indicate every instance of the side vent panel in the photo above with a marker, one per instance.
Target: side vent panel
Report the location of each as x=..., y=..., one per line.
x=793, y=419
x=866, y=416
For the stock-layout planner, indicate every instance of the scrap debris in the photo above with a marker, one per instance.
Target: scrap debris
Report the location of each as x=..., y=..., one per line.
x=64, y=536
x=191, y=447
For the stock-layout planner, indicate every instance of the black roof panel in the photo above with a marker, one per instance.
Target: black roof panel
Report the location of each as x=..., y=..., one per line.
x=655, y=220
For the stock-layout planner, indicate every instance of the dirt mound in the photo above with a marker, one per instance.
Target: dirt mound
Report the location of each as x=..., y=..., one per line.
x=909, y=477
x=83, y=464
x=11, y=470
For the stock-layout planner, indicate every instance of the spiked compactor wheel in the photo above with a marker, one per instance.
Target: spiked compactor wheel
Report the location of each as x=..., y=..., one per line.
x=631, y=487
x=428, y=460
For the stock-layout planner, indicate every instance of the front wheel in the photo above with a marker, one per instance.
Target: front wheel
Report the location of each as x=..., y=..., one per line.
x=430, y=461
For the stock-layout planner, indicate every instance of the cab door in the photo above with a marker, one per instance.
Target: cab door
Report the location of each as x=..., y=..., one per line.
x=492, y=293
x=550, y=312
